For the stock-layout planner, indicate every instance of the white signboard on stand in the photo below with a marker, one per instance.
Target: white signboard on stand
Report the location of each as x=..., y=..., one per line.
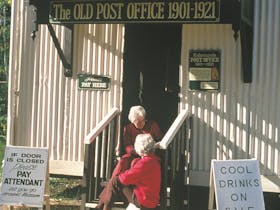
x=23, y=178
x=237, y=185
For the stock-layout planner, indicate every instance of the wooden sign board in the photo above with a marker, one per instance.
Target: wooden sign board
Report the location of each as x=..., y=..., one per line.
x=23, y=178
x=237, y=185
x=110, y=11
x=94, y=82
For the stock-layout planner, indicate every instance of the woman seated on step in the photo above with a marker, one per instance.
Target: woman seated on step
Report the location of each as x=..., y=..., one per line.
x=140, y=184
x=138, y=125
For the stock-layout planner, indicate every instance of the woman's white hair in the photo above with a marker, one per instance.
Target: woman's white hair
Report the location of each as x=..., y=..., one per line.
x=136, y=112
x=144, y=144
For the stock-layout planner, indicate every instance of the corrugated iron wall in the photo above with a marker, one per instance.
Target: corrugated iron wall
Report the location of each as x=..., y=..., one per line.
x=242, y=120
x=48, y=109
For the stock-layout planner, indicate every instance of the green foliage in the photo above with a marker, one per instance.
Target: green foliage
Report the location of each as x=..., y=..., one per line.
x=5, y=13
x=2, y=152
x=65, y=188
x=3, y=121
x=3, y=109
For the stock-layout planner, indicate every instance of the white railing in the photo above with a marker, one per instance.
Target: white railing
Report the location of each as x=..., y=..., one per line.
x=175, y=163
x=101, y=126
x=173, y=130
x=99, y=146
x=99, y=154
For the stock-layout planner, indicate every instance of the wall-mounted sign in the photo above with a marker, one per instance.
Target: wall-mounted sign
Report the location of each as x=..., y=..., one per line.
x=204, y=70
x=98, y=11
x=94, y=82
x=237, y=185
x=23, y=179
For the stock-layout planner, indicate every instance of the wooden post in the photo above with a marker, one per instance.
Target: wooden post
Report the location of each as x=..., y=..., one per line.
x=211, y=190
x=47, y=186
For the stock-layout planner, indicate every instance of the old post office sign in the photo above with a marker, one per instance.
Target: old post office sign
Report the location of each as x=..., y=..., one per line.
x=86, y=11
x=94, y=82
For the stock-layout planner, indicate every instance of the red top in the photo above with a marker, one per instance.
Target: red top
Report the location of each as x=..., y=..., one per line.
x=145, y=175
x=130, y=133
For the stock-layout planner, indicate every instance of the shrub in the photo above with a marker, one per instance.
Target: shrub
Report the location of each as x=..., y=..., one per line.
x=3, y=108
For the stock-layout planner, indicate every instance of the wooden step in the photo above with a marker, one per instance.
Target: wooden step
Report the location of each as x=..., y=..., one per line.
x=117, y=205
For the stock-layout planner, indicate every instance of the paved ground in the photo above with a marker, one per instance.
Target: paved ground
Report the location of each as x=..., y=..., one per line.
x=198, y=199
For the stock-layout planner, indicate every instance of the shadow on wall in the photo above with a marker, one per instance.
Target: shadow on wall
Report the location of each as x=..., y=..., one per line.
x=198, y=195
x=240, y=136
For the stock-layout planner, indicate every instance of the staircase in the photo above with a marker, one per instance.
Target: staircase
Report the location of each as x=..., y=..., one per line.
x=175, y=145
x=117, y=206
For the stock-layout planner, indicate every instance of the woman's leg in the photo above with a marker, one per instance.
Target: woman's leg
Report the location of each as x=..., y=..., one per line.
x=131, y=198
x=112, y=187
x=129, y=195
x=109, y=192
x=123, y=164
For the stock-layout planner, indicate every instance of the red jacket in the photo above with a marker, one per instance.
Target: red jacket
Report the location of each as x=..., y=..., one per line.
x=130, y=133
x=145, y=175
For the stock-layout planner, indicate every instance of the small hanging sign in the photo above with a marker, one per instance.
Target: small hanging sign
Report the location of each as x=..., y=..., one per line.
x=204, y=70
x=93, y=82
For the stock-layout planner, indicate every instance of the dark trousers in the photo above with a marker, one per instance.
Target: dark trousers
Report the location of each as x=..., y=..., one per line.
x=112, y=190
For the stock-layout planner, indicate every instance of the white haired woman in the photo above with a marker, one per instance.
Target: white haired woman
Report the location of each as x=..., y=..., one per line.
x=138, y=125
x=140, y=184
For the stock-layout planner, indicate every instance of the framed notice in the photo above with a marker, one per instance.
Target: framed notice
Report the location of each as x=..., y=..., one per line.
x=23, y=178
x=93, y=82
x=204, y=70
x=237, y=185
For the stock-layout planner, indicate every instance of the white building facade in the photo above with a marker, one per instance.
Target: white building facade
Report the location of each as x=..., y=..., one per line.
x=232, y=119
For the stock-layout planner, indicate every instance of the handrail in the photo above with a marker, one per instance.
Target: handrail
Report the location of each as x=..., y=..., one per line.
x=101, y=125
x=99, y=154
x=169, y=136
x=175, y=162
x=99, y=158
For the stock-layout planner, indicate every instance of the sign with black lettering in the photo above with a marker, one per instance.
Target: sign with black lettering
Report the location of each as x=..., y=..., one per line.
x=237, y=185
x=110, y=11
x=23, y=178
x=204, y=70
x=94, y=82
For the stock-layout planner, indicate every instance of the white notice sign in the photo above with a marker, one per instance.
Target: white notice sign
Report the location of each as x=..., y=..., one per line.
x=237, y=185
x=23, y=179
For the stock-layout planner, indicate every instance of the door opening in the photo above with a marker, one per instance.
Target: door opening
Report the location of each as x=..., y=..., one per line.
x=152, y=54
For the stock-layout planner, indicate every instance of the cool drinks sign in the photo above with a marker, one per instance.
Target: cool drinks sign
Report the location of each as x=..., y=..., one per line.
x=237, y=185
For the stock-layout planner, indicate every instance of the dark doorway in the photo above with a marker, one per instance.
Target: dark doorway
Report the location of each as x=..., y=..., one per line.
x=152, y=54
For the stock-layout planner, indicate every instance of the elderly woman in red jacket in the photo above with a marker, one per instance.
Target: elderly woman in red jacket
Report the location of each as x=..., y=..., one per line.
x=138, y=125
x=140, y=184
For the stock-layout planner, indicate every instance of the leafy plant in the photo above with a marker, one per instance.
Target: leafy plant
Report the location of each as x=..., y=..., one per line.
x=3, y=109
x=65, y=188
x=5, y=13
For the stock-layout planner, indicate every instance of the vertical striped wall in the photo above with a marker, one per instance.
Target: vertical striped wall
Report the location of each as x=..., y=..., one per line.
x=242, y=120
x=46, y=109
